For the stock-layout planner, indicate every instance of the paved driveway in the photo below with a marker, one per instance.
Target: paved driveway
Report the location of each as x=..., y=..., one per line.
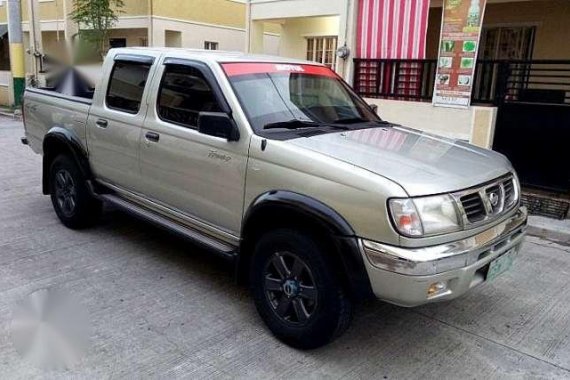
x=160, y=307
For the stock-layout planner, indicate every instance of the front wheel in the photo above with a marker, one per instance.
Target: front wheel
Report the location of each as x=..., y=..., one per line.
x=296, y=291
x=71, y=199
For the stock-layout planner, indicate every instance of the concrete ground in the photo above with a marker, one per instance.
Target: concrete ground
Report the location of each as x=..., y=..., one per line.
x=159, y=307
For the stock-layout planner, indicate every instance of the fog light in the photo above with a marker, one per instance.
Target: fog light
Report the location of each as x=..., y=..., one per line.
x=437, y=288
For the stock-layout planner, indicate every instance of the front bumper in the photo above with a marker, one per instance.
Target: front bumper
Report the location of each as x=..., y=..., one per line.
x=403, y=276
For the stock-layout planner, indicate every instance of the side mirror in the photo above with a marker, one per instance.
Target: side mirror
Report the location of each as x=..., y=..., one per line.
x=374, y=108
x=218, y=124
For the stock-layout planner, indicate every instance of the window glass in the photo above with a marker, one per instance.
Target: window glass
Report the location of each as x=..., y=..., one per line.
x=126, y=86
x=183, y=94
x=322, y=50
x=210, y=45
x=274, y=96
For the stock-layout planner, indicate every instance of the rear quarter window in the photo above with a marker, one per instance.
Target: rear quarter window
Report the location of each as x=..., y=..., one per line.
x=126, y=86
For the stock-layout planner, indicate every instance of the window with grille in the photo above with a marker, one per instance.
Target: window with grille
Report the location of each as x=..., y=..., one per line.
x=507, y=42
x=210, y=45
x=322, y=50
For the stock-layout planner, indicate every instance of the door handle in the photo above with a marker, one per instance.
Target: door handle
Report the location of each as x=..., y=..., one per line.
x=102, y=123
x=152, y=136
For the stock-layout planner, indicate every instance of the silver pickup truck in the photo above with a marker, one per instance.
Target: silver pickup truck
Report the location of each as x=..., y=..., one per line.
x=279, y=166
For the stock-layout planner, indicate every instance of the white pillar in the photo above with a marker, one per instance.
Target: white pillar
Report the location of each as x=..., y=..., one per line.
x=347, y=35
x=150, y=28
x=70, y=29
x=253, y=32
x=36, y=44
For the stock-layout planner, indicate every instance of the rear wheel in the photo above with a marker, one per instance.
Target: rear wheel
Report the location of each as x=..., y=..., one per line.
x=296, y=291
x=71, y=199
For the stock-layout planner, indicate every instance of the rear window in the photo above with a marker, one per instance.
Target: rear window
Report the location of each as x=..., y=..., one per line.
x=126, y=86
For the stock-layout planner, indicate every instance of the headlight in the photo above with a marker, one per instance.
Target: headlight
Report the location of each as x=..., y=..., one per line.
x=425, y=216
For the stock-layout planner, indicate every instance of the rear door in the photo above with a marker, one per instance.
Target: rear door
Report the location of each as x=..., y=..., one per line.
x=116, y=118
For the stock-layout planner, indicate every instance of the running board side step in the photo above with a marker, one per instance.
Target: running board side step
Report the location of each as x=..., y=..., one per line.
x=225, y=250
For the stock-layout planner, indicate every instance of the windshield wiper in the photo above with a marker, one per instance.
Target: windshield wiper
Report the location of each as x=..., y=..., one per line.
x=291, y=124
x=298, y=124
x=350, y=120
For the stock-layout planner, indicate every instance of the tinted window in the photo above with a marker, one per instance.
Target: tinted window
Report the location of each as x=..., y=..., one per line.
x=126, y=86
x=184, y=92
x=278, y=97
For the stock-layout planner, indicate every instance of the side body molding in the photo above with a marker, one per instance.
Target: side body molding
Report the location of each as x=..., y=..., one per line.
x=61, y=140
x=348, y=257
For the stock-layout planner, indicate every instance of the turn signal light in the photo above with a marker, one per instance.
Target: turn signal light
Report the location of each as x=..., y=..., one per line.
x=437, y=288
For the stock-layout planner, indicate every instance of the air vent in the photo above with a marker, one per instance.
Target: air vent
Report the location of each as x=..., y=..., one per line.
x=510, y=195
x=473, y=207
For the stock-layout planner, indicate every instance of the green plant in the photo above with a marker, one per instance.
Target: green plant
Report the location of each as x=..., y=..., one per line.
x=95, y=18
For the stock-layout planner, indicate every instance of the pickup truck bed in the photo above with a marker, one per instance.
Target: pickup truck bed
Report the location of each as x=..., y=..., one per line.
x=46, y=108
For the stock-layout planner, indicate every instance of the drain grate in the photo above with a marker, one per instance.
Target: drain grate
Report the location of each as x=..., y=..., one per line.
x=545, y=206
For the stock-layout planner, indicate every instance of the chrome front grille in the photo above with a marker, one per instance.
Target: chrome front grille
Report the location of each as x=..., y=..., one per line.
x=487, y=201
x=473, y=207
x=510, y=192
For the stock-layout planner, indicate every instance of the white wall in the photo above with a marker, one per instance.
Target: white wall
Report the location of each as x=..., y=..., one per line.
x=294, y=32
x=300, y=18
x=133, y=36
x=271, y=44
x=6, y=93
x=474, y=124
x=277, y=9
x=194, y=34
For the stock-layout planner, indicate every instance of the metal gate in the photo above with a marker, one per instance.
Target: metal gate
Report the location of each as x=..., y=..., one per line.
x=533, y=121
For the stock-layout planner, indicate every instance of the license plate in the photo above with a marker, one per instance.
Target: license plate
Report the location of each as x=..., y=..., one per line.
x=501, y=264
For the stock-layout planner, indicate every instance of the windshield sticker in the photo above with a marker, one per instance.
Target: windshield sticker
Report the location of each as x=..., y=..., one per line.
x=234, y=69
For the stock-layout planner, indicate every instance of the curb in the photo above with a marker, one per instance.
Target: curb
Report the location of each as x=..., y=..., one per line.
x=557, y=237
x=11, y=115
x=550, y=229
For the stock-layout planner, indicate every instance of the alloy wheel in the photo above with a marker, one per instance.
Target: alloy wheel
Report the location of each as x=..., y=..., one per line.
x=290, y=288
x=65, y=192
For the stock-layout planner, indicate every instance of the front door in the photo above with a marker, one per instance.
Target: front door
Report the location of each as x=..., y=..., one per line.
x=198, y=175
x=115, y=121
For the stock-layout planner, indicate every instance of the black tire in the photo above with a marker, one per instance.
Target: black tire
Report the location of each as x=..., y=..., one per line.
x=71, y=199
x=318, y=310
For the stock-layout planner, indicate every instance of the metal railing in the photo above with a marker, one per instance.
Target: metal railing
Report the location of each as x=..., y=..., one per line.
x=494, y=81
x=410, y=79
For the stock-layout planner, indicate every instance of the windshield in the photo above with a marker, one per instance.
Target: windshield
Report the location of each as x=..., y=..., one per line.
x=272, y=94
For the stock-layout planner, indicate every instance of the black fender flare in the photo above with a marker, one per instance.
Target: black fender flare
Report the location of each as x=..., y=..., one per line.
x=328, y=217
x=62, y=140
x=338, y=229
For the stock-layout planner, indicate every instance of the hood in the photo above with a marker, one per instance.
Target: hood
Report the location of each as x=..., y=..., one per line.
x=421, y=163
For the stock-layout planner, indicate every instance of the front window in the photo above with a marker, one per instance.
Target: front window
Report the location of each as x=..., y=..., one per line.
x=184, y=93
x=273, y=93
x=322, y=50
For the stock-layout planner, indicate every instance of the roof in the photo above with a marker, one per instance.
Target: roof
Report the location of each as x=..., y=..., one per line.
x=217, y=55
